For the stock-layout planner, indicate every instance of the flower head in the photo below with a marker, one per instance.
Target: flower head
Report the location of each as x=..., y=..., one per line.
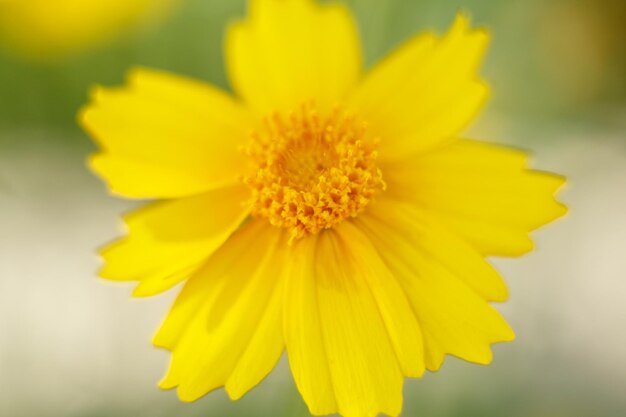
x=334, y=215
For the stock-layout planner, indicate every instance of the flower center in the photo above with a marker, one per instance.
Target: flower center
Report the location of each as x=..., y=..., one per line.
x=312, y=170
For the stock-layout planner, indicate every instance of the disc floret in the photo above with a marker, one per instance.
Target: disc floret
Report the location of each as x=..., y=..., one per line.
x=312, y=171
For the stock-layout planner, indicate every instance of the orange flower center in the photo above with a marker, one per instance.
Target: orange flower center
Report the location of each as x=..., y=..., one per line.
x=312, y=171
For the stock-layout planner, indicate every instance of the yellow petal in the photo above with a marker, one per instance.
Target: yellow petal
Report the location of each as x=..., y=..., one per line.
x=225, y=328
x=167, y=241
x=133, y=178
x=290, y=51
x=424, y=93
x=454, y=319
x=483, y=192
x=408, y=228
x=303, y=332
x=399, y=319
x=166, y=136
x=338, y=329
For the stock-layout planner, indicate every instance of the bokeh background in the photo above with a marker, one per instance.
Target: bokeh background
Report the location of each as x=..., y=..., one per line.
x=74, y=346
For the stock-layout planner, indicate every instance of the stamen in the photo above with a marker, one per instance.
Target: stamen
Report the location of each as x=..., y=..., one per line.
x=313, y=171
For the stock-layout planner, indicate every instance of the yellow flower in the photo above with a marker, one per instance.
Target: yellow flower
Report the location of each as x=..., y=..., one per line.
x=44, y=28
x=334, y=215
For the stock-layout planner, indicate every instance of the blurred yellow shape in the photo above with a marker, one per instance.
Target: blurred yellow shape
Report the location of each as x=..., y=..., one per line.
x=52, y=28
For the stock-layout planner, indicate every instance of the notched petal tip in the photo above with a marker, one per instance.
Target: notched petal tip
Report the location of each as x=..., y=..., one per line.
x=485, y=356
x=146, y=289
x=101, y=164
x=236, y=392
x=168, y=382
x=98, y=93
x=188, y=396
x=93, y=161
x=556, y=184
x=82, y=115
x=166, y=385
x=478, y=36
x=462, y=19
x=463, y=22
x=94, y=91
x=506, y=337
x=137, y=72
x=500, y=291
x=560, y=185
x=233, y=394
x=85, y=113
x=562, y=209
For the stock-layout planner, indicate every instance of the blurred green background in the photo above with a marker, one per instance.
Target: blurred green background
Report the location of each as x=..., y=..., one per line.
x=73, y=346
